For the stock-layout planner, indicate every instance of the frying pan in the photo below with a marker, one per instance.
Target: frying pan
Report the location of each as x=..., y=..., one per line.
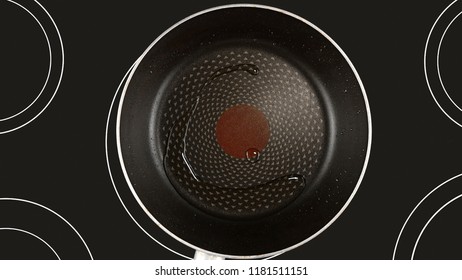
x=243, y=131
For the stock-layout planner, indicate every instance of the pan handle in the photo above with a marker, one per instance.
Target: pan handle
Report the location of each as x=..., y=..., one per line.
x=204, y=256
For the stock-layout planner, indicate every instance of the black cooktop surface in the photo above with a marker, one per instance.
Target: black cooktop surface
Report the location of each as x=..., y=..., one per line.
x=63, y=195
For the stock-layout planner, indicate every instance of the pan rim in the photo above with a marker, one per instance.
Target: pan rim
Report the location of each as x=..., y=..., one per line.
x=257, y=6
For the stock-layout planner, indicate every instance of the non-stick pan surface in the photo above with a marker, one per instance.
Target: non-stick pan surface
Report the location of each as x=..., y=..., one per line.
x=305, y=139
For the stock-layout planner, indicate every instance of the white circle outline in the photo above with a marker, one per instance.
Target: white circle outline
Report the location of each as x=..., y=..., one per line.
x=33, y=235
x=425, y=65
x=49, y=65
x=428, y=222
x=415, y=209
x=59, y=80
x=438, y=62
x=53, y=212
x=356, y=76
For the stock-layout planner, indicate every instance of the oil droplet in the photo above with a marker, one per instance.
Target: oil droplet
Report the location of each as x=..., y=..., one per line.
x=297, y=178
x=252, y=155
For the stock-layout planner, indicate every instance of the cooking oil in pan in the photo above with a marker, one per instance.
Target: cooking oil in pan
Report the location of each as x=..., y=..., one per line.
x=256, y=197
x=253, y=155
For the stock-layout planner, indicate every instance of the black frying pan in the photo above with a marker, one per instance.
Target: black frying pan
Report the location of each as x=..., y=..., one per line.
x=244, y=130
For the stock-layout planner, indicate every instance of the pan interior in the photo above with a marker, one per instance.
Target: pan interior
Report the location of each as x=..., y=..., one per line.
x=243, y=131
x=253, y=94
